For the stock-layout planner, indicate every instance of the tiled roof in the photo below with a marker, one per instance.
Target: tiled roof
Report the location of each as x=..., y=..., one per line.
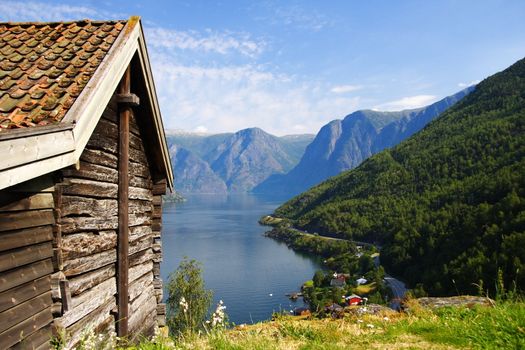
x=45, y=66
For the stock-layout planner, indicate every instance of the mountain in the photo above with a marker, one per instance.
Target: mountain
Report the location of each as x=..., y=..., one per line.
x=343, y=144
x=447, y=205
x=192, y=174
x=231, y=162
x=248, y=157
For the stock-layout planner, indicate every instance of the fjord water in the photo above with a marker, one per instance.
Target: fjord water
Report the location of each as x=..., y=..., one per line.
x=249, y=272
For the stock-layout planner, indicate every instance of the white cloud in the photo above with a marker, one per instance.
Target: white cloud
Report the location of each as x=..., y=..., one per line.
x=209, y=41
x=343, y=89
x=409, y=102
x=19, y=11
x=201, y=129
x=464, y=85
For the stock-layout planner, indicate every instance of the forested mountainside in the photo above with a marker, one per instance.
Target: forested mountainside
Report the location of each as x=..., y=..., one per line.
x=448, y=204
x=343, y=144
x=232, y=162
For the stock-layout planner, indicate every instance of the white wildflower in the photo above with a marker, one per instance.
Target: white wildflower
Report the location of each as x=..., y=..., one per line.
x=184, y=305
x=386, y=319
x=370, y=325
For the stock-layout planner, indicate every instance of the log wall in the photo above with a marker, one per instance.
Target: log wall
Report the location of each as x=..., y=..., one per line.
x=86, y=236
x=27, y=262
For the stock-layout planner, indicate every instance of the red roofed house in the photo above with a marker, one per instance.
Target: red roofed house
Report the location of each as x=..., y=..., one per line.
x=83, y=165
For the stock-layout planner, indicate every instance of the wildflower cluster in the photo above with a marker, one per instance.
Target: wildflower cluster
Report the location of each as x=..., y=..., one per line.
x=184, y=305
x=103, y=341
x=218, y=318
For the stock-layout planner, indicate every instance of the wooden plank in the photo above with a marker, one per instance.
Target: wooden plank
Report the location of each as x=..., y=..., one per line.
x=87, y=243
x=23, y=256
x=85, y=281
x=89, y=263
x=55, y=284
x=16, y=201
x=17, y=314
x=38, y=340
x=123, y=208
x=17, y=295
x=13, y=278
x=94, y=319
x=88, y=301
x=157, y=200
x=24, y=150
x=161, y=309
x=30, y=325
x=24, y=219
x=25, y=237
x=141, y=182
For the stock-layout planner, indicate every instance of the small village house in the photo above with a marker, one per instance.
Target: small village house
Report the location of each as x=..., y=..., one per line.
x=84, y=165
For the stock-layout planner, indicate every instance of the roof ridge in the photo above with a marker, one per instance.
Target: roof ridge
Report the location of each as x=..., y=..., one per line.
x=85, y=20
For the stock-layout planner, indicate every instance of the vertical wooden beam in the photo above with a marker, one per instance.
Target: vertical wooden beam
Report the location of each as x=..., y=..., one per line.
x=123, y=209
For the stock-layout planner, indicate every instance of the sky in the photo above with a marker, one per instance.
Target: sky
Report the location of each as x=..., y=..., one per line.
x=289, y=67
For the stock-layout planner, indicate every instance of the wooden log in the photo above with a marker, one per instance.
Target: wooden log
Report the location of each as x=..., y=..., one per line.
x=99, y=189
x=140, y=285
x=157, y=246
x=87, y=243
x=156, y=269
x=159, y=188
x=16, y=201
x=140, y=170
x=157, y=212
x=26, y=273
x=161, y=320
x=38, y=340
x=89, y=263
x=77, y=205
x=139, y=270
x=24, y=292
x=157, y=200
x=137, y=232
x=25, y=237
x=161, y=309
x=141, y=244
x=27, y=327
x=80, y=224
x=156, y=234
x=99, y=157
x=58, y=260
x=140, y=207
x=94, y=319
x=140, y=312
x=158, y=294
x=80, y=283
x=92, y=172
x=67, y=303
x=23, y=256
x=25, y=219
x=88, y=301
x=17, y=314
x=141, y=257
x=141, y=182
x=156, y=224
x=55, y=279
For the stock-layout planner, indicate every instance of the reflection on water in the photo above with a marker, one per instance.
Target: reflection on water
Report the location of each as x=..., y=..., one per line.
x=240, y=265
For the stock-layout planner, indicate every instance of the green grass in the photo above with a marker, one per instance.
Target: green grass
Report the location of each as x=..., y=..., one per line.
x=479, y=327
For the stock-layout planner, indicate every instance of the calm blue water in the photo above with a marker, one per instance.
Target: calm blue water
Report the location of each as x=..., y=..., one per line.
x=240, y=265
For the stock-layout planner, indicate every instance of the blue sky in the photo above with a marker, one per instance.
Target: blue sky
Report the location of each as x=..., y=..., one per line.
x=292, y=66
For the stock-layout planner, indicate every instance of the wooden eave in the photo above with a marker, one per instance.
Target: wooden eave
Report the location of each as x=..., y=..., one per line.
x=31, y=152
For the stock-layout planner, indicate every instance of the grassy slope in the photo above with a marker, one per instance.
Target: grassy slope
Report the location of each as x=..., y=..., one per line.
x=501, y=327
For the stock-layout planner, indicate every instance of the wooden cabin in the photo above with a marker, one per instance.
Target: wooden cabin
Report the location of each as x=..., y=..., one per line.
x=83, y=166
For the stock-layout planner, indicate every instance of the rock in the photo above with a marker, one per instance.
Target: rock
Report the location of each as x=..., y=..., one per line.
x=463, y=300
